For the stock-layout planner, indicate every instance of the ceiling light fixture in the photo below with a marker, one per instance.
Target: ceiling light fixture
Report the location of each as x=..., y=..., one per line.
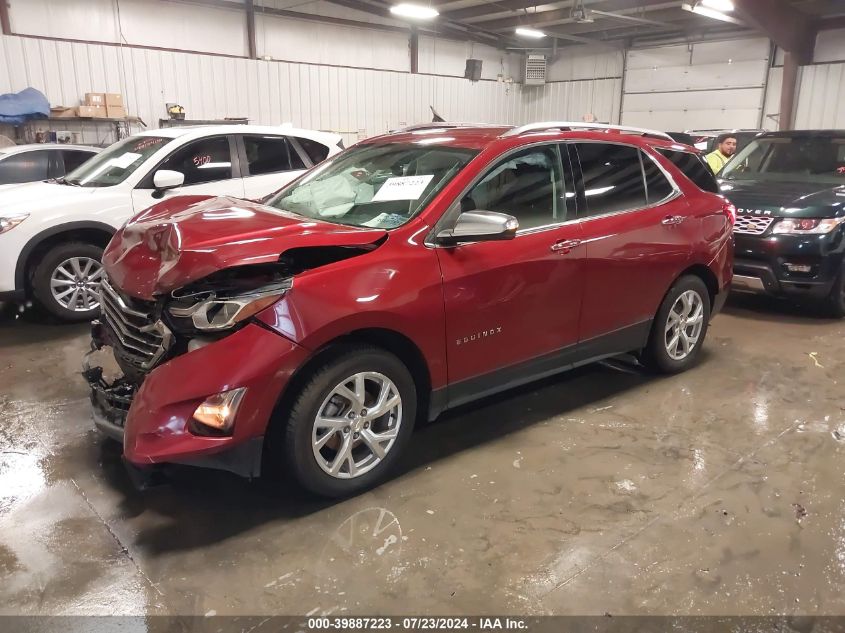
x=414, y=11
x=532, y=33
x=701, y=9
x=724, y=6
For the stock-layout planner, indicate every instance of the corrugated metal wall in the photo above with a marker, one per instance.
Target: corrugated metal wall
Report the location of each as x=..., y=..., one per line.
x=354, y=102
x=821, y=100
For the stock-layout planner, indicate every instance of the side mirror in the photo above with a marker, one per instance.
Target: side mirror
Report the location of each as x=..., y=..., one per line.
x=479, y=226
x=165, y=179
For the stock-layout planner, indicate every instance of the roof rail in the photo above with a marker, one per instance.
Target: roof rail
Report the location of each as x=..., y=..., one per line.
x=570, y=125
x=438, y=125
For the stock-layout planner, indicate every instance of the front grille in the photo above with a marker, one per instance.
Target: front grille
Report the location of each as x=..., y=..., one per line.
x=139, y=337
x=752, y=224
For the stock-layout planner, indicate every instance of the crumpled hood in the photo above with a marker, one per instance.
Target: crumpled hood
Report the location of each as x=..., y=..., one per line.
x=785, y=199
x=187, y=238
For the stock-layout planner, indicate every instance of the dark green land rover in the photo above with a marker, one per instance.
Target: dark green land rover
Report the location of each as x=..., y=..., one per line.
x=789, y=193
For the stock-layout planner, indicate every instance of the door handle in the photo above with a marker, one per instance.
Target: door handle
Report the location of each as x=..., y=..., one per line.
x=672, y=219
x=564, y=246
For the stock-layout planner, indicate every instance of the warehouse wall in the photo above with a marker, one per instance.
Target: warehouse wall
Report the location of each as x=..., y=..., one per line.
x=354, y=102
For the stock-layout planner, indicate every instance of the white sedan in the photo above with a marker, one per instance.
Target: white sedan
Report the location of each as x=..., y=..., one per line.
x=52, y=234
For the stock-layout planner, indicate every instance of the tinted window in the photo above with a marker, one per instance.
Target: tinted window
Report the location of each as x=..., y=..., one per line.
x=526, y=185
x=317, y=152
x=694, y=168
x=206, y=160
x=657, y=186
x=74, y=158
x=270, y=154
x=24, y=167
x=613, y=177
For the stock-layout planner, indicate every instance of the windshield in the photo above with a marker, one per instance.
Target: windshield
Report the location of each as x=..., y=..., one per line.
x=113, y=165
x=381, y=186
x=812, y=159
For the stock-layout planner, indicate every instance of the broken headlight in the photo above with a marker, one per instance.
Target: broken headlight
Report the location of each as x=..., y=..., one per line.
x=213, y=310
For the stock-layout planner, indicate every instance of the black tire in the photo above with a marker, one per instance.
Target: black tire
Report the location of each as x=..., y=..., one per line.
x=835, y=302
x=44, y=270
x=656, y=356
x=296, y=447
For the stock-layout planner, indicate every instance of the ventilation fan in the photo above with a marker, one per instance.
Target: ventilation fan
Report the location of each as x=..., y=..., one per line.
x=535, y=70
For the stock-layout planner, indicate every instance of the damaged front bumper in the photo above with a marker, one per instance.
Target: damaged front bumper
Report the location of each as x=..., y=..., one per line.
x=153, y=418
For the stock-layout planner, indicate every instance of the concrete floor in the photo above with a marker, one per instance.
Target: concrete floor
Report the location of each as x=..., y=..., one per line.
x=718, y=491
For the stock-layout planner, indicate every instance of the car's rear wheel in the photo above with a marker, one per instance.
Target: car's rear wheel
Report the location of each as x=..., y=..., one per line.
x=66, y=281
x=836, y=298
x=350, y=422
x=679, y=328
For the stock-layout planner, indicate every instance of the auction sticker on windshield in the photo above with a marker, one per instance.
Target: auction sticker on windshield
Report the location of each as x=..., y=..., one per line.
x=124, y=161
x=402, y=188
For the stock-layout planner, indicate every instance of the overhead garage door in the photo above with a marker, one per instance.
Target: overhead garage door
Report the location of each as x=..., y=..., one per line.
x=698, y=86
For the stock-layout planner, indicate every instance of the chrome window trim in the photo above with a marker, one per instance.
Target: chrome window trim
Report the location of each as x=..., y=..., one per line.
x=431, y=238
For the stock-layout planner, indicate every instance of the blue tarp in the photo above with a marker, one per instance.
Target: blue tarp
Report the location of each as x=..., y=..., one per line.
x=16, y=108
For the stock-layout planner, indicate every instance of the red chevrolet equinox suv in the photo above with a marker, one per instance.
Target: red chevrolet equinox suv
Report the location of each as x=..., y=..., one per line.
x=412, y=273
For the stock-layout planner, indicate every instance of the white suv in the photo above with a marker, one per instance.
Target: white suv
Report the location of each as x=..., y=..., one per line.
x=52, y=233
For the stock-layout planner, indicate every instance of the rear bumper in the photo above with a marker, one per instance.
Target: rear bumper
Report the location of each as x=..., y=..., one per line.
x=763, y=264
x=152, y=420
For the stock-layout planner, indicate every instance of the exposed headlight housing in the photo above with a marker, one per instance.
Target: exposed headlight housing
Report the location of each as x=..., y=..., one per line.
x=806, y=226
x=222, y=311
x=11, y=220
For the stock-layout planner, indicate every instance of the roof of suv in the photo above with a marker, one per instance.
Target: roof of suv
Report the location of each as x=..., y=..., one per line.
x=479, y=136
x=198, y=131
x=16, y=149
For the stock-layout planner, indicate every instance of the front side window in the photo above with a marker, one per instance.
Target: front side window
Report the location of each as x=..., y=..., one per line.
x=380, y=186
x=812, y=159
x=270, y=155
x=526, y=185
x=613, y=178
x=205, y=160
x=115, y=164
x=24, y=167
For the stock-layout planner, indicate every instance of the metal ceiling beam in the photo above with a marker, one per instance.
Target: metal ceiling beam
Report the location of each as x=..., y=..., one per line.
x=445, y=28
x=793, y=30
x=563, y=16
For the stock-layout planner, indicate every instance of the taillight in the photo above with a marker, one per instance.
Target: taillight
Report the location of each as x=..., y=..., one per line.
x=730, y=211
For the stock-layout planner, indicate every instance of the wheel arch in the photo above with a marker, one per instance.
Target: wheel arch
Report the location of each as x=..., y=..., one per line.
x=706, y=275
x=389, y=340
x=97, y=233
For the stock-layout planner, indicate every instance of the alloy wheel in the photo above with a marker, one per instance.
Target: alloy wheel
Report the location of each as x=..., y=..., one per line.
x=356, y=425
x=684, y=325
x=75, y=284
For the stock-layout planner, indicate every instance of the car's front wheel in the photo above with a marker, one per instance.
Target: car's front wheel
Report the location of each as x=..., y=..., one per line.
x=350, y=422
x=679, y=328
x=66, y=281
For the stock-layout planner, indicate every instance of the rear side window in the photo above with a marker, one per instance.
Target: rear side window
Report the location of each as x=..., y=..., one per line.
x=694, y=168
x=317, y=152
x=657, y=186
x=74, y=158
x=24, y=167
x=613, y=178
x=271, y=154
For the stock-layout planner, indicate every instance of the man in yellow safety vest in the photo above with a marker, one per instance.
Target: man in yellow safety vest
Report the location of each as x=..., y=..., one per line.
x=725, y=148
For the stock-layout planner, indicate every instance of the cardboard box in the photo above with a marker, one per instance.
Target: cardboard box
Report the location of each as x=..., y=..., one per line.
x=96, y=112
x=115, y=112
x=113, y=99
x=63, y=112
x=94, y=99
